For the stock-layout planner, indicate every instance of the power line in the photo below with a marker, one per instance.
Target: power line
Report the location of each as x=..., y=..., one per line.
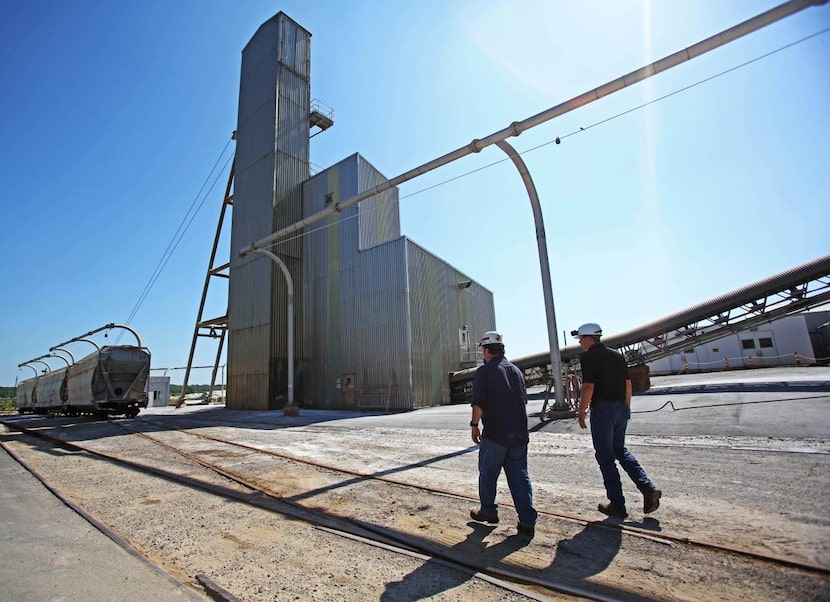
x=180, y=232
x=581, y=130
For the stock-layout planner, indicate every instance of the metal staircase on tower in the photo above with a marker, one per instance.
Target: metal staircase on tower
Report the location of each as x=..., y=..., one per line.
x=213, y=328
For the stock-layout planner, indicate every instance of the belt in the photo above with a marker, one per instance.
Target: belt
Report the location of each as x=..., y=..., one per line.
x=597, y=402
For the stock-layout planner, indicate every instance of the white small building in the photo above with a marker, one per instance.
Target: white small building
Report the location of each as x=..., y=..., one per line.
x=799, y=339
x=158, y=391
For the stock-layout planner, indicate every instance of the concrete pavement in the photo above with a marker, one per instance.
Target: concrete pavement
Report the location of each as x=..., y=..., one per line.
x=49, y=552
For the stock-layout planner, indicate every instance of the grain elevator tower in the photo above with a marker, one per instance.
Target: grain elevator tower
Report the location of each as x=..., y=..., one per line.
x=271, y=163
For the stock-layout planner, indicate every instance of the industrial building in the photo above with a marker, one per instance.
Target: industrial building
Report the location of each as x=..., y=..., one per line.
x=158, y=391
x=799, y=339
x=380, y=322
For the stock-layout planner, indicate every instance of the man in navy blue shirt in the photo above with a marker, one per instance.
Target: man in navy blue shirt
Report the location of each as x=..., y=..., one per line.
x=607, y=388
x=499, y=402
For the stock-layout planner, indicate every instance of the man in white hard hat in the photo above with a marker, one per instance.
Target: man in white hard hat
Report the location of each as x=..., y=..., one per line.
x=607, y=388
x=499, y=402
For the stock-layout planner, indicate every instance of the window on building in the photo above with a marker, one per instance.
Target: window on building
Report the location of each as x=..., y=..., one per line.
x=715, y=350
x=747, y=343
x=765, y=342
x=329, y=198
x=688, y=351
x=462, y=338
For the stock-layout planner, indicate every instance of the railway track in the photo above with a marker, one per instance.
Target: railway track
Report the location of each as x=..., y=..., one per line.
x=412, y=519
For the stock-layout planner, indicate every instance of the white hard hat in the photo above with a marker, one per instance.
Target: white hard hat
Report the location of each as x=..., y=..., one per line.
x=491, y=337
x=588, y=330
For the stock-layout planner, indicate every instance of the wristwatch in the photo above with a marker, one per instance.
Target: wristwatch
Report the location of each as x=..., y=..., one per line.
x=474, y=425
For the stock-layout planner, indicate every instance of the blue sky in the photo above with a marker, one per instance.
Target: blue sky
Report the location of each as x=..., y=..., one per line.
x=115, y=113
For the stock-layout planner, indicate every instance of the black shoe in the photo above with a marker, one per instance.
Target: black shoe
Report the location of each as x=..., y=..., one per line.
x=483, y=518
x=651, y=500
x=611, y=510
x=529, y=531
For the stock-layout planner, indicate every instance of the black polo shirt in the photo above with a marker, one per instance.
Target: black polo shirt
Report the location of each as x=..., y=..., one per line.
x=607, y=371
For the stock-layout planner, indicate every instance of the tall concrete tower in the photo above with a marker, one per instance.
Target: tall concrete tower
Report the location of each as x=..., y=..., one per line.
x=272, y=152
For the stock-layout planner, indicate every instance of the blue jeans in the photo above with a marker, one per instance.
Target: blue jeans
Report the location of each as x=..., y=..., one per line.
x=492, y=457
x=608, y=424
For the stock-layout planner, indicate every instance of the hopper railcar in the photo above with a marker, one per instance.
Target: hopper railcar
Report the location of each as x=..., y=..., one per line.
x=110, y=381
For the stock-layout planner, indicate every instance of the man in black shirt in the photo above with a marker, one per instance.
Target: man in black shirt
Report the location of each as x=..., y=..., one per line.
x=499, y=401
x=607, y=388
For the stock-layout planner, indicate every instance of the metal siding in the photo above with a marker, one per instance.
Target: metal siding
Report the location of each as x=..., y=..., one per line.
x=438, y=310
x=79, y=385
x=123, y=367
x=357, y=299
x=314, y=253
x=49, y=389
x=292, y=148
x=271, y=162
x=24, y=396
x=349, y=219
x=321, y=298
x=380, y=214
x=374, y=323
x=390, y=313
x=295, y=47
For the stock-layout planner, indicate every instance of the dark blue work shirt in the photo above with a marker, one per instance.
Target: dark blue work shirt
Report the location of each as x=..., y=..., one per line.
x=499, y=390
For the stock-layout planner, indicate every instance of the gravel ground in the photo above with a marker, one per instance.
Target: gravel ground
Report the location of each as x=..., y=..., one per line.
x=745, y=500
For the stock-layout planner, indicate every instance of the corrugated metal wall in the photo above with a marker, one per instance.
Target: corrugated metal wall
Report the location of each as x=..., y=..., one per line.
x=271, y=163
x=382, y=313
x=355, y=301
x=439, y=312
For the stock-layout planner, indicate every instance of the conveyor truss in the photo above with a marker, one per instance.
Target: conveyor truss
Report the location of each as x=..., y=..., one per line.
x=788, y=292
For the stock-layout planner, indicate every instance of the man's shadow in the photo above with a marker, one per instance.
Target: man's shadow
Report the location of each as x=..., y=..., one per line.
x=436, y=576
x=589, y=553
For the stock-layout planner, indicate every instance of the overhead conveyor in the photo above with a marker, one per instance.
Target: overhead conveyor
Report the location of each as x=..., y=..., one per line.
x=788, y=292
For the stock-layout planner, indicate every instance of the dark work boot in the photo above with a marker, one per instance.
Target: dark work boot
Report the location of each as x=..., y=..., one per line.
x=611, y=510
x=483, y=518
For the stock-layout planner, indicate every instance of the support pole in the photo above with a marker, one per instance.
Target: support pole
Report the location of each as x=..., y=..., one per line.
x=541, y=241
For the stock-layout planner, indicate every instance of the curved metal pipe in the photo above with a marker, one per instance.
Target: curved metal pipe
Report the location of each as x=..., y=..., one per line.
x=517, y=127
x=90, y=341
x=28, y=366
x=91, y=332
x=39, y=361
x=135, y=334
x=544, y=265
x=60, y=357
x=290, y=317
x=66, y=351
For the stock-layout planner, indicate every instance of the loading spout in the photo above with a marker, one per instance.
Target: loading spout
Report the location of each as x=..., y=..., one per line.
x=109, y=326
